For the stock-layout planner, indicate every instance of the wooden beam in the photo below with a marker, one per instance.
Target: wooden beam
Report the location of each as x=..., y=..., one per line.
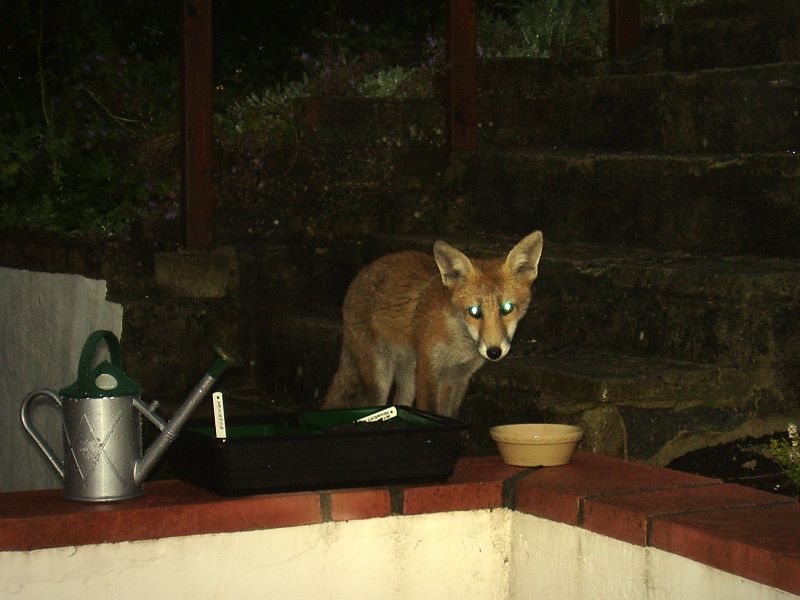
x=197, y=90
x=462, y=101
x=624, y=26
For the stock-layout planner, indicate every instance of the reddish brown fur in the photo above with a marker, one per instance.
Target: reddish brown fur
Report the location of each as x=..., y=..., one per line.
x=406, y=322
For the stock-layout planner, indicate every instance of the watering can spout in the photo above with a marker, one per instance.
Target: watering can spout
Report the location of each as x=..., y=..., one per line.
x=169, y=430
x=102, y=426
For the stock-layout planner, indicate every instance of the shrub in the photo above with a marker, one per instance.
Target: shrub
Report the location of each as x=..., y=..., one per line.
x=786, y=453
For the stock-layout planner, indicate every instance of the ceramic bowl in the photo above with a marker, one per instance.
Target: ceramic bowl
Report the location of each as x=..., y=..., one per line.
x=536, y=444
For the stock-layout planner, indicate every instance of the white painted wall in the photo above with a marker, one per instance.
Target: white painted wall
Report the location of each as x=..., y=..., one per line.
x=44, y=320
x=481, y=555
x=552, y=560
x=446, y=556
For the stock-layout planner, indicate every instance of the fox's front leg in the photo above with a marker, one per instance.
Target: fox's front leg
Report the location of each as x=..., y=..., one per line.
x=425, y=387
x=449, y=395
x=452, y=386
x=440, y=391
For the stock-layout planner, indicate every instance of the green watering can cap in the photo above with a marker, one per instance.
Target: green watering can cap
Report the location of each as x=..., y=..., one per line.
x=104, y=379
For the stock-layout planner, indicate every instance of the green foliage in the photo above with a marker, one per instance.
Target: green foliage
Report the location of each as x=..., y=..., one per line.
x=258, y=111
x=73, y=134
x=556, y=28
x=260, y=125
x=89, y=94
x=525, y=28
x=260, y=44
x=89, y=89
x=659, y=12
x=786, y=453
x=391, y=82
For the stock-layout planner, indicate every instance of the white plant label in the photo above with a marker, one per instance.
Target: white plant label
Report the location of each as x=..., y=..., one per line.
x=219, y=414
x=381, y=415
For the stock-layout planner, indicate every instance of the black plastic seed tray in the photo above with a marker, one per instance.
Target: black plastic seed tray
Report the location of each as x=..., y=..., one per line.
x=318, y=450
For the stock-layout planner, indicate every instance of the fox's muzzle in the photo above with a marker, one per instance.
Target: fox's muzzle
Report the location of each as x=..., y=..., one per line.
x=494, y=352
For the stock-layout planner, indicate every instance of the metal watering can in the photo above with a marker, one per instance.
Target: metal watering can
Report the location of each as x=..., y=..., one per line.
x=102, y=425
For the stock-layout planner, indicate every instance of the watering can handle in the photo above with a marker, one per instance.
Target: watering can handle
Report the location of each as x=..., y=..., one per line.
x=89, y=347
x=25, y=415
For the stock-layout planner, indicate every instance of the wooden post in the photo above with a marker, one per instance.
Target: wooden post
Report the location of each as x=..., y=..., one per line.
x=197, y=90
x=462, y=101
x=624, y=26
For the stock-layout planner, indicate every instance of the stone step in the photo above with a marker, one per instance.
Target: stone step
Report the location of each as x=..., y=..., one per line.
x=645, y=408
x=734, y=310
x=718, y=204
x=393, y=123
x=348, y=207
x=743, y=109
x=727, y=33
x=655, y=353
x=641, y=407
x=297, y=356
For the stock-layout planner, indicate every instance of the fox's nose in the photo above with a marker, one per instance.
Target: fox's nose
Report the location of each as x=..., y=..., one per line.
x=494, y=353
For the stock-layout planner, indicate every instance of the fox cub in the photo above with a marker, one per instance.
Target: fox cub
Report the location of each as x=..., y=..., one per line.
x=426, y=324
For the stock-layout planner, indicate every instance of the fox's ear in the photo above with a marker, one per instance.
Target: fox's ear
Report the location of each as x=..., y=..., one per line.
x=523, y=260
x=454, y=265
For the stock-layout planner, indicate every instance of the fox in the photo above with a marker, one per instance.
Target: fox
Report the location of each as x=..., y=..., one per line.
x=421, y=325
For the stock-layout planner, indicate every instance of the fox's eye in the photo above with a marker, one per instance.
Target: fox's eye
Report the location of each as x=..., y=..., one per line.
x=475, y=312
x=506, y=308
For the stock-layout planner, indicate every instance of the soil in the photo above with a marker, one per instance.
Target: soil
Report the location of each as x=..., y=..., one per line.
x=745, y=462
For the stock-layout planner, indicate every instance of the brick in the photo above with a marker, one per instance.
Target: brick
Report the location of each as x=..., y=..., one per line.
x=476, y=483
x=760, y=543
x=452, y=496
x=557, y=493
x=346, y=505
x=483, y=469
x=166, y=509
x=626, y=517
